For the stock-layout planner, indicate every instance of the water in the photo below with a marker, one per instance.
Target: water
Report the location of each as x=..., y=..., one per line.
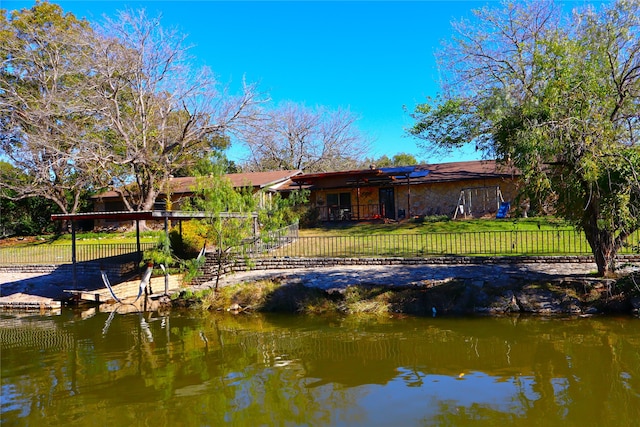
x=201, y=369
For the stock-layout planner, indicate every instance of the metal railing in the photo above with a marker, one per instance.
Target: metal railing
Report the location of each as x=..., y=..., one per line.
x=270, y=241
x=61, y=254
x=481, y=243
x=286, y=242
x=350, y=212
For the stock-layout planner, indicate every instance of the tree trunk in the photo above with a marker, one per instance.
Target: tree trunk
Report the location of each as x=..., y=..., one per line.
x=604, y=248
x=605, y=257
x=219, y=270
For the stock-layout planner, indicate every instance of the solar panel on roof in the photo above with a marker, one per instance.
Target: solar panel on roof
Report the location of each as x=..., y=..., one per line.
x=400, y=170
x=419, y=174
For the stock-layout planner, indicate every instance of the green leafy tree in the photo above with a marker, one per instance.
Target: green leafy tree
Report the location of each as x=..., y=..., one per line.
x=24, y=216
x=233, y=217
x=45, y=122
x=400, y=159
x=559, y=98
x=281, y=211
x=208, y=164
x=229, y=216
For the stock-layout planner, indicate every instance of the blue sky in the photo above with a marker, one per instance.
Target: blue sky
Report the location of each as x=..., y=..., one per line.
x=370, y=57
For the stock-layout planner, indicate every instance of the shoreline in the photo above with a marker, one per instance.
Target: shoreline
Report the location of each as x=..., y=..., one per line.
x=490, y=288
x=560, y=288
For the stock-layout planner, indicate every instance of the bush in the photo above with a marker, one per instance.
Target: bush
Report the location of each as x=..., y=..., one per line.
x=161, y=254
x=252, y=295
x=436, y=218
x=186, y=243
x=310, y=218
x=191, y=268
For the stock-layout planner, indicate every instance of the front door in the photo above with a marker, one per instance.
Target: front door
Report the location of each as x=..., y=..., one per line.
x=387, y=203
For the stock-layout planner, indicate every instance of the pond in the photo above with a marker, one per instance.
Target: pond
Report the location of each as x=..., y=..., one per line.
x=203, y=369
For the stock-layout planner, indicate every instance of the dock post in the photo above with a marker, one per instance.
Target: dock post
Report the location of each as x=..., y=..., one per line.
x=73, y=254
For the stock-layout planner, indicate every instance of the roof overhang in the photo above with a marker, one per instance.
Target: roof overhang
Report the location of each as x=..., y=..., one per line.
x=146, y=215
x=381, y=176
x=354, y=176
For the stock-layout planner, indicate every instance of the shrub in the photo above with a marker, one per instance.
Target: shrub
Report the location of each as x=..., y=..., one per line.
x=310, y=217
x=161, y=254
x=185, y=242
x=191, y=268
x=252, y=295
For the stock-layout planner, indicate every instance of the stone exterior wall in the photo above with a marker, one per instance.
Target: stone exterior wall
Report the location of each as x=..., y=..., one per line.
x=440, y=198
x=443, y=198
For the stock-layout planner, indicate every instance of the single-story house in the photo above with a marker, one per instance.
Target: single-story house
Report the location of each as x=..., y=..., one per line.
x=181, y=188
x=459, y=189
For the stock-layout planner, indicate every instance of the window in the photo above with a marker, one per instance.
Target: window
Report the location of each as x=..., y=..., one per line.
x=342, y=200
x=339, y=205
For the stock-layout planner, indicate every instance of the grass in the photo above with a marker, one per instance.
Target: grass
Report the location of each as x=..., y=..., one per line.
x=82, y=238
x=272, y=296
x=437, y=225
x=532, y=236
x=414, y=238
x=422, y=226
x=107, y=238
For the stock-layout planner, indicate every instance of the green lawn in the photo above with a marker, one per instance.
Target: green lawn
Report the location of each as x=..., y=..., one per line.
x=437, y=226
x=527, y=236
x=329, y=230
x=84, y=238
x=57, y=249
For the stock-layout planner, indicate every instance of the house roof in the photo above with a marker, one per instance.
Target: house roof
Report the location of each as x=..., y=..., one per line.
x=459, y=171
x=259, y=180
x=147, y=215
x=426, y=173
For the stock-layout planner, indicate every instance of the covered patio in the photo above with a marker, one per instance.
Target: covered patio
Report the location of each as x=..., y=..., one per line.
x=137, y=217
x=373, y=190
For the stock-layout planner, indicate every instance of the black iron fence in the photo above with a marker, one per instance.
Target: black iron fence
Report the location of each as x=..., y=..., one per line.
x=481, y=243
x=287, y=242
x=61, y=254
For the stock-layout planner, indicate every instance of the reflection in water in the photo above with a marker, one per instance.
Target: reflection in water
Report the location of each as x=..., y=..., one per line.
x=203, y=369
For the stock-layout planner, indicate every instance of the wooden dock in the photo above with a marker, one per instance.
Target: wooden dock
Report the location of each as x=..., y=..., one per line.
x=127, y=290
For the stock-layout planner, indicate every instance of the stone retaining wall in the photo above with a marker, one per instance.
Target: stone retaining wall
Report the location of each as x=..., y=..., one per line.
x=210, y=267
x=115, y=271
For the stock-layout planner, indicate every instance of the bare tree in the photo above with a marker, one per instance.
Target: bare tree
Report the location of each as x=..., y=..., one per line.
x=45, y=125
x=293, y=136
x=159, y=115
